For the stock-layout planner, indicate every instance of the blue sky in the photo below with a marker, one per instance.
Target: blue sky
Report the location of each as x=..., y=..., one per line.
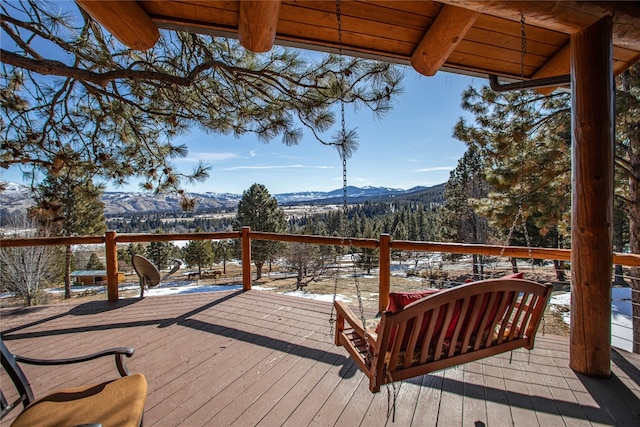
x=410, y=146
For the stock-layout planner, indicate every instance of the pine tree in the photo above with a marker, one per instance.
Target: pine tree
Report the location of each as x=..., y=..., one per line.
x=69, y=204
x=524, y=140
x=258, y=210
x=198, y=252
x=160, y=253
x=459, y=220
x=94, y=263
x=84, y=101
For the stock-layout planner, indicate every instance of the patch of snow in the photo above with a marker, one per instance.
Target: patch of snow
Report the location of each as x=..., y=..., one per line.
x=317, y=297
x=621, y=320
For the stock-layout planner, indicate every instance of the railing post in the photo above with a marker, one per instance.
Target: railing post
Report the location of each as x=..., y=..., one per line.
x=246, y=259
x=385, y=271
x=112, y=265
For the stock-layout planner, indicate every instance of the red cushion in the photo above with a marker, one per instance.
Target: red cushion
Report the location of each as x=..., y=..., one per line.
x=399, y=300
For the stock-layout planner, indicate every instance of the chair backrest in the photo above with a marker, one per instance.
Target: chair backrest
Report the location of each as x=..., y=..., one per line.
x=146, y=270
x=21, y=393
x=458, y=325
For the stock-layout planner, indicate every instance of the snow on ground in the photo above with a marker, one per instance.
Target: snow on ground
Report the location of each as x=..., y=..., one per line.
x=621, y=323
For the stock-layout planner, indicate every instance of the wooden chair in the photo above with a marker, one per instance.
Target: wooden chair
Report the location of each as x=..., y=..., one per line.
x=115, y=403
x=447, y=328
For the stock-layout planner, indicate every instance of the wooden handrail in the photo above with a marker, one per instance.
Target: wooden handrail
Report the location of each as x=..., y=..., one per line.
x=316, y=240
x=384, y=244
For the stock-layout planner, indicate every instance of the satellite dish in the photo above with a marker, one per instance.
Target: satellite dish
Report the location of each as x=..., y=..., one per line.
x=148, y=273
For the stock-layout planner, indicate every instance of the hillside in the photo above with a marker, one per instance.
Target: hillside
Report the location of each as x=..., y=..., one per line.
x=16, y=197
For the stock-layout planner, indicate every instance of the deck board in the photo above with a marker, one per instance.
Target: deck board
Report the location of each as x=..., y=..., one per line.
x=259, y=358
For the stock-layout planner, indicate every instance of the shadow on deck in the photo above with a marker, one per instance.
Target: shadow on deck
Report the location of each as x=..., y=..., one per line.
x=259, y=358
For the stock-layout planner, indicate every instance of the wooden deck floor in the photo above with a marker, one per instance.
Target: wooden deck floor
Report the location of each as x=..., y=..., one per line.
x=258, y=358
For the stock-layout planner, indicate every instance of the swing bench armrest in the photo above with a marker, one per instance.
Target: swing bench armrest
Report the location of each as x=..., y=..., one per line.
x=344, y=313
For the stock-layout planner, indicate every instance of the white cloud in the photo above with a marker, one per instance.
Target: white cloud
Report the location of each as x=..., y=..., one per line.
x=435, y=169
x=274, y=167
x=208, y=157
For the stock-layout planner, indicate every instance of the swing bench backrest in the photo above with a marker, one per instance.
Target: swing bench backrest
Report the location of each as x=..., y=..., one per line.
x=445, y=329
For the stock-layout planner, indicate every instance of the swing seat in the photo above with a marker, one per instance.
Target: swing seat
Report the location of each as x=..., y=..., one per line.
x=444, y=329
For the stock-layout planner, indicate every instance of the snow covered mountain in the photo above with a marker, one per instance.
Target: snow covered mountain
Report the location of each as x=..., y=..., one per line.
x=16, y=197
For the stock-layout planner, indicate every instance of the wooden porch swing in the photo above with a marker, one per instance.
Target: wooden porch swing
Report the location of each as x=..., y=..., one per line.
x=444, y=329
x=422, y=332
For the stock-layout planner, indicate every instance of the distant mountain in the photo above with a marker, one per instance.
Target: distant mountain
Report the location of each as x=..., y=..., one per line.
x=17, y=197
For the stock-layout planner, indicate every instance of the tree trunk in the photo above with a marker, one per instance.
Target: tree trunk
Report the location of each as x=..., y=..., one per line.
x=634, y=245
x=514, y=265
x=299, y=279
x=475, y=266
x=259, y=265
x=618, y=244
x=67, y=272
x=634, y=235
x=559, y=267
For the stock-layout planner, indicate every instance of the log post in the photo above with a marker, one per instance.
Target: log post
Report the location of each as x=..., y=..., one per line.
x=246, y=259
x=592, y=199
x=385, y=271
x=112, y=265
x=258, y=23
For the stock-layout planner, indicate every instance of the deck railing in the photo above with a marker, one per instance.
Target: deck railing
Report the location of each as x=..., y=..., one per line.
x=384, y=243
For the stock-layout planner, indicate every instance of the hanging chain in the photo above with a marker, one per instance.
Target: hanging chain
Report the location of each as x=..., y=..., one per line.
x=523, y=47
x=523, y=53
x=513, y=227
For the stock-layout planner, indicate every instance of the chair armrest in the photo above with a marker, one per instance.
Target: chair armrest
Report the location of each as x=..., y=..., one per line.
x=117, y=352
x=345, y=312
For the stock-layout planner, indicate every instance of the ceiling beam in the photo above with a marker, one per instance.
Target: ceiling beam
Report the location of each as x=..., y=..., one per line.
x=125, y=20
x=558, y=65
x=448, y=29
x=257, y=24
x=569, y=17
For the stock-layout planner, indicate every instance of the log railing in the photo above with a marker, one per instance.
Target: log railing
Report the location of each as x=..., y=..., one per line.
x=384, y=244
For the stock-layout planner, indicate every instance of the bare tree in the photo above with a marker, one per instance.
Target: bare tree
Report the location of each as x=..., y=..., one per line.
x=306, y=260
x=26, y=270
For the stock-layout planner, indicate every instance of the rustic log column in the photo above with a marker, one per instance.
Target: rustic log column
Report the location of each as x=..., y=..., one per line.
x=384, y=271
x=258, y=23
x=592, y=199
x=112, y=266
x=246, y=259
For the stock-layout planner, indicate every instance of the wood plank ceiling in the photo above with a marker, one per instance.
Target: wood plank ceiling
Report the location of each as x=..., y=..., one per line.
x=466, y=36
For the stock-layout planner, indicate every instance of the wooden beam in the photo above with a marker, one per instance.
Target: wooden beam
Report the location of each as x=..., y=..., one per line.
x=257, y=24
x=567, y=17
x=593, y=117
x=558, y=65
x=448, y=29
x=125, y=20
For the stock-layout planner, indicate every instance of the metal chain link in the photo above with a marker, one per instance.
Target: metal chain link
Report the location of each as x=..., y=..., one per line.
x=513, y=227
x=523, y=46
x=345, y=204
